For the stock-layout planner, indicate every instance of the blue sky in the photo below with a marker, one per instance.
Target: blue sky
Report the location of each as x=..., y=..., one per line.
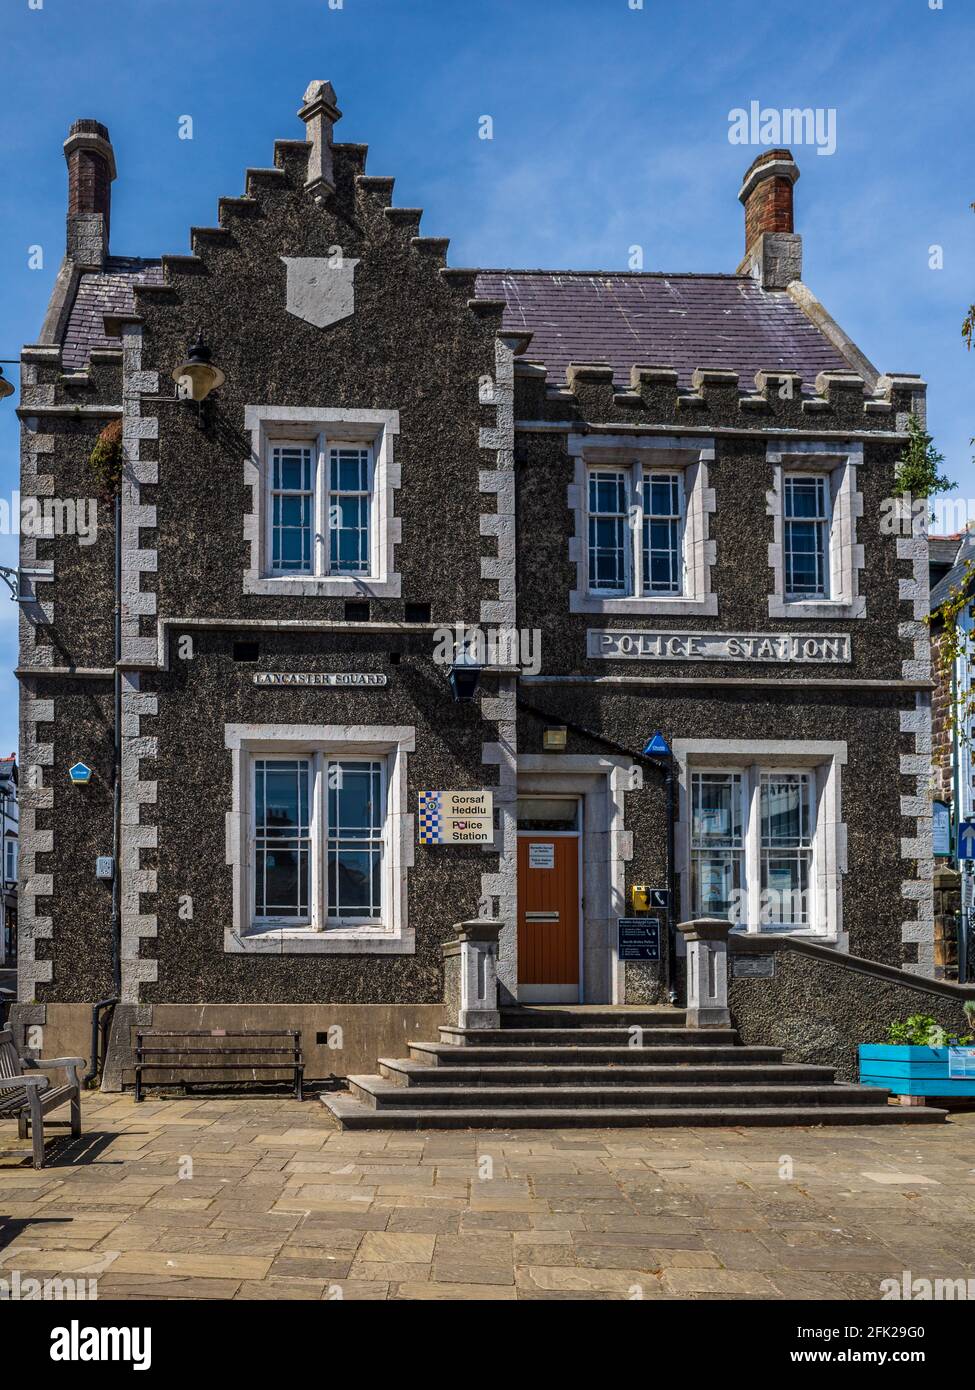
x=610, y=130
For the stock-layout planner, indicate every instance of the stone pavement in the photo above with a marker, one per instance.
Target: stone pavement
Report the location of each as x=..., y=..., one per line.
x=263, y=1198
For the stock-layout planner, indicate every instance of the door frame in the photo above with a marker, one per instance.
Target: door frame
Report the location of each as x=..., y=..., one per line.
x=577, y=835
x=601, y=781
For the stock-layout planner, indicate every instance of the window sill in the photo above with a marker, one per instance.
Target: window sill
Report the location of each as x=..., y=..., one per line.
x=324, y=586
x=302, y=941
x=667, y=605
x=817, y=608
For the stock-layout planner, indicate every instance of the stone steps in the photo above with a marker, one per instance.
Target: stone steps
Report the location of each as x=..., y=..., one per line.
x=352, y=1114
x=571, y=1067
x=434, y=1054
x=380, y=1093
x=407, y=1073
x=634, y=1037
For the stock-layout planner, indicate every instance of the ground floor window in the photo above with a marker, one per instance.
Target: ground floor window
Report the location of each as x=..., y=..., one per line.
x=319, y=840
x=752, y=847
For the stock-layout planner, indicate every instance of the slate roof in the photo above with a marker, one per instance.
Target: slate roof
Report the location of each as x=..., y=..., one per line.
x=955, y=577
x=679, y=321
x=101, y=292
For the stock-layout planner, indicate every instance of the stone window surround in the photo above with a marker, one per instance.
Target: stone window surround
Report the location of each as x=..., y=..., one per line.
x=392, y=743
x=689, y=457
x=840, y=464
x=607, y=847
x=377, y=428
x=823, y=757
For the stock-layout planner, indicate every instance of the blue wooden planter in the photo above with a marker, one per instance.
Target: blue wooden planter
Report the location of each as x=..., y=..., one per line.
x=911, y=1071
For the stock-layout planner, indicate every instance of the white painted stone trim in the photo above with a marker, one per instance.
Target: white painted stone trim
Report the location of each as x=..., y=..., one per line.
x=34, y=923
x=692, y=458
x=391, y=742
x=826, y=759
x=375, y=427
x=607, y=848
x=840, y=464
x=499, y=888
x=36, y=449
x=136, y=834
x=919, y=846
x=137, y=830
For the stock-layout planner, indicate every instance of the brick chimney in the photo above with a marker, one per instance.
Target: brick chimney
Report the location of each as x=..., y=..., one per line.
x=91, y=169
x=773, y=250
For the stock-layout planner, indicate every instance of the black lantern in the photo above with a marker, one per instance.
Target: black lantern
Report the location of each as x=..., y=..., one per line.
x=197, y=376
x=465, y=677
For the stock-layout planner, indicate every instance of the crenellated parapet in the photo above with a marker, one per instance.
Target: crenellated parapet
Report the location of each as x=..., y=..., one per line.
x=716, y=398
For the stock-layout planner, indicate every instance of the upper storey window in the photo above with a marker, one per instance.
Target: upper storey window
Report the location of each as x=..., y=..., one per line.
x=806, y=535
x=323, y=518
x=815, y=505
x=641, y=542
x=320, y=513
x=636, y=532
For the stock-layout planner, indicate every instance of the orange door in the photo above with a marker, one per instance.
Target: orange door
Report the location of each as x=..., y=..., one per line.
x=548, y=909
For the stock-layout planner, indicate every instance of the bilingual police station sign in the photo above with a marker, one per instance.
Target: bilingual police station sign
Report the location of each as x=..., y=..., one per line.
x=456, y=818
x=617, y=643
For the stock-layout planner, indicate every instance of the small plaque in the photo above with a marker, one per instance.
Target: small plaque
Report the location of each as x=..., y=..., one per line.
x=333, y=680
x=961, y=1063
x=541, y=856
x=752, y=967
x=456, y=818
x=639, y=938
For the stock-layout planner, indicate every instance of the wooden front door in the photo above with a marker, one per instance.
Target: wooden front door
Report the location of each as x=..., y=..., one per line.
x=548, y=917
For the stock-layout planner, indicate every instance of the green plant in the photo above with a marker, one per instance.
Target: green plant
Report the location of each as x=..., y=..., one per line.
x=106, y=460
x=918, y=466
x=921, y=1030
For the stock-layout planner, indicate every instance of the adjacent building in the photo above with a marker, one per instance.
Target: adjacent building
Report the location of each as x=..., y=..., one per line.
x=631, y=519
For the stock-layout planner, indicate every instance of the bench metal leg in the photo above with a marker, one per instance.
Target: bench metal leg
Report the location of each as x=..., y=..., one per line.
x=37, y=1128
x=76, y=1115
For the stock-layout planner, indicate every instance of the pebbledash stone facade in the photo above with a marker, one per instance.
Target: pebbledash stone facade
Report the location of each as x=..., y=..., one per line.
x=667, y=487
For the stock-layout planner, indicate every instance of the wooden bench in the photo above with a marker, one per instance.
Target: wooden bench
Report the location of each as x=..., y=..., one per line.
x=28, y=1094
x=186, y=1051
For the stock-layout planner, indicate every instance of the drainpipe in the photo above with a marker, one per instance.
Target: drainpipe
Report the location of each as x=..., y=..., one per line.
x=97, y=1048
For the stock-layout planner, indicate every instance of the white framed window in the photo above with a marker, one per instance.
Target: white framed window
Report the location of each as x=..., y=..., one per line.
x=814, y=554
x=320, y=508
x=760, y=834
x=717, y=842
x=319, y=838
x=323, y=483
x=636, y=531
x=318, y=841
x=641, y=540
x=806, y=535
x=10, y=859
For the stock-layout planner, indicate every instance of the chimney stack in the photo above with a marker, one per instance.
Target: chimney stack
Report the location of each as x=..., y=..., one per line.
x=773, y=250
x=91, y=169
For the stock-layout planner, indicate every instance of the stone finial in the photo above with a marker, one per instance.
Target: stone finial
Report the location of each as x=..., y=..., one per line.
x=319, y=113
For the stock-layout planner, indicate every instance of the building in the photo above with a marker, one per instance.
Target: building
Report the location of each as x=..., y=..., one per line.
x=8, y=862
x=645, y=504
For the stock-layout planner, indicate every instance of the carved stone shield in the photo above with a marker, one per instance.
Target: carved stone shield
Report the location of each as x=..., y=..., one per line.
x=320, y=289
